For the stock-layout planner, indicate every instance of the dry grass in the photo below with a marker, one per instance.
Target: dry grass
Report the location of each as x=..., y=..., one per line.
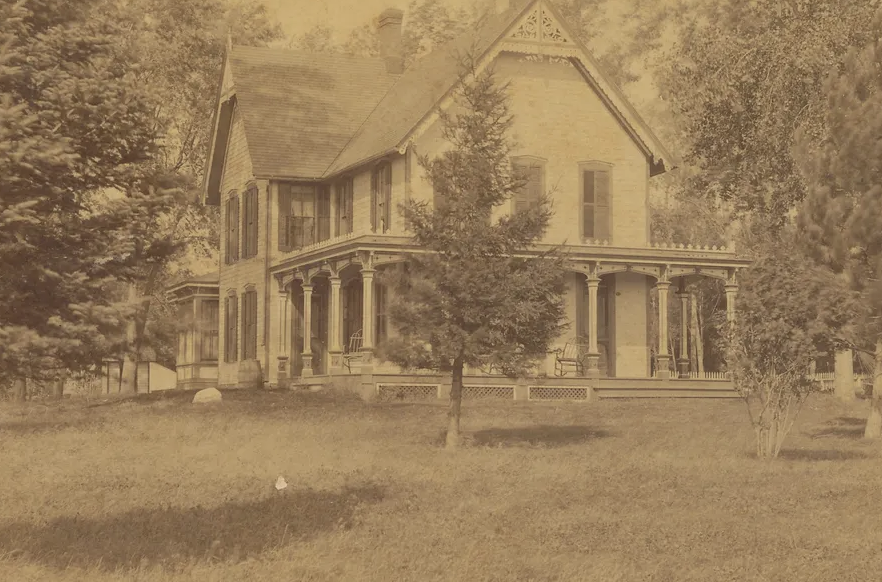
x=609, y=491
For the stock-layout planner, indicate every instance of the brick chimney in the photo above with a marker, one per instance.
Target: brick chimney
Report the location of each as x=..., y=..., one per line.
x=389, y=31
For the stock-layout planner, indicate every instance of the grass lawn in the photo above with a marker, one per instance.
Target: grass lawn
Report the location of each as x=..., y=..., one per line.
x=612, y=490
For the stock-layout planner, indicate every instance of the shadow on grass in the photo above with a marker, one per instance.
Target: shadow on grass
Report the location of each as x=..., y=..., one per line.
x=544, y=435
x=821, y=455
x=176, y=536
x=54, y=422
x=842, y=427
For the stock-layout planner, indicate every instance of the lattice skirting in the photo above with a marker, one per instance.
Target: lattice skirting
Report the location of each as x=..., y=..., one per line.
x=398, y=392
x=557, y=393
x=475, y=392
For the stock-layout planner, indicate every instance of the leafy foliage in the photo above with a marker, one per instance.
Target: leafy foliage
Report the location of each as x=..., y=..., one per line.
x=472, y=297
x=788, y=311
x=742, y=78
x=73, y=121
x=840, y=219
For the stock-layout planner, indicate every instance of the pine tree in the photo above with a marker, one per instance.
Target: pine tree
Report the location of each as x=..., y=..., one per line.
x=73, y=123
x=842, y=214
x=474, y=296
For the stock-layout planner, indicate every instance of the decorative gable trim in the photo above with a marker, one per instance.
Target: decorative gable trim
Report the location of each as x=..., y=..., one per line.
x=540, y=25
x=558, y=44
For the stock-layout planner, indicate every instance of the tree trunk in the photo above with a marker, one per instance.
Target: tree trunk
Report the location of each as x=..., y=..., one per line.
x=455, y=410
x=873, y=430
x=19, y=390
x=129, y=373
x=58, y=389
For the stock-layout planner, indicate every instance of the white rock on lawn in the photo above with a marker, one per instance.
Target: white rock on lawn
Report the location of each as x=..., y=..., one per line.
x=207, y=395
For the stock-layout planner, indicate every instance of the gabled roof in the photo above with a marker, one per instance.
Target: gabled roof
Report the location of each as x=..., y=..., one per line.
x=420, y=88
x=310, y=116
x=300, y=109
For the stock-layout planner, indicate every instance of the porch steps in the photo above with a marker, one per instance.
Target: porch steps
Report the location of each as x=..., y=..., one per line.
x=655, y=388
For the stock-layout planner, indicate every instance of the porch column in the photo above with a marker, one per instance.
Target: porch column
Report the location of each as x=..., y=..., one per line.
x=368, y=388
x=282, y=357
x=683, y=362
x=664, y=357
x=593, y=356
x=731, y=293
x=307, y=330
x=367, y=310
x=334, y=325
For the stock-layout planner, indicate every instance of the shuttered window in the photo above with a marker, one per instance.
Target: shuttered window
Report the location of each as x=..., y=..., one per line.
x=596, y=204
x=249, y=325
x=530, y=194
x=286, y=242
x=297, y=223
x=231, y=228
x=343, y=192
x=381, y=197
x=231, y=329
x=249, y=224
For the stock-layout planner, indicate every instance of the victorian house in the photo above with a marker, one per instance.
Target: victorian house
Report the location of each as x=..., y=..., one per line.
x=311, y=154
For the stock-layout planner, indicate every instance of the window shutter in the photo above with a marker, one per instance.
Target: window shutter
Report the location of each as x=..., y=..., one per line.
x=323, y=214
x=226, y=329
x=246, y=312
x=227, y=233
x=234, y=321
x=601, y=212
x=374, y=185
x=530, y=193
x=252, y=222
x=387, y=197
x=234, y=229
x=284, y=212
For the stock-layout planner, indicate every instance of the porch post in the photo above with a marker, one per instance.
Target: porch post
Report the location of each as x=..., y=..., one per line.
x=283, y=339
x=593, y=356
x=367, y=310
x=663, y=359
x=368, y=388
x=731, y=293
x=334, y=325
x=683, y=362
x=307, y=330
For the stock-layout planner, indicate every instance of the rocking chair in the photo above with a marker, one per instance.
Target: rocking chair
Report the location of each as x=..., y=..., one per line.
x=571, y=358
x=353, y=352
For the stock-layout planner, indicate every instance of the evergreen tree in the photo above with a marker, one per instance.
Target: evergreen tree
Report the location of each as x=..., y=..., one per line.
x=842, y=214
x=74, y=122
x=474, y=297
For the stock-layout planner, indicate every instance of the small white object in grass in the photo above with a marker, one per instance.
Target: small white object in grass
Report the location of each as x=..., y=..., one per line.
x=281, y=483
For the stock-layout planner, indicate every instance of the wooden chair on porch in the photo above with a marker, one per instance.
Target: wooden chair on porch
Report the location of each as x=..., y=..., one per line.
x=571, y=357
x=353, y=351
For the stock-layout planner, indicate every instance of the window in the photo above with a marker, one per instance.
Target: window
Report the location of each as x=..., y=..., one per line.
x=344, y=206
x=530, y=194
x=297, y=226
x=323, y=214
x=381, y=197
x=249, y=224
x=596, y=202
x=249, y=325
x=210, y=323
x=231, y=228
x=231, y=331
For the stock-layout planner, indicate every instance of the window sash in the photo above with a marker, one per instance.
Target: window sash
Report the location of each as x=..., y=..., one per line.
x=530, y=194
x=596, y=215
x=344, y=206
x=209, y=325
x=381, y=197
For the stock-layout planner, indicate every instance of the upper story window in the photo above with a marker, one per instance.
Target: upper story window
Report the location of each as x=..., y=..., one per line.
x=231, y=229
x=381, y=197
x=304, y=215
x=249, y=224
x=344, y=200
x=532, y=170
x=596, y=200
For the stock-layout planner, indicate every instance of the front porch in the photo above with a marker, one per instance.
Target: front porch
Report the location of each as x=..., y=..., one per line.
x=331, y=315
